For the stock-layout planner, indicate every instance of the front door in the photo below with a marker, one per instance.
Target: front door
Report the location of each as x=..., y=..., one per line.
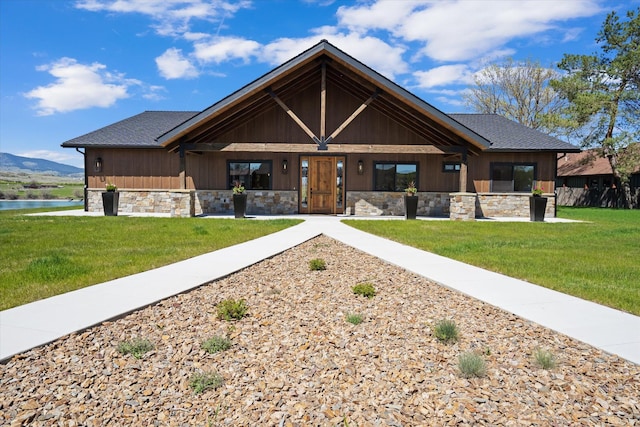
x=324, y=184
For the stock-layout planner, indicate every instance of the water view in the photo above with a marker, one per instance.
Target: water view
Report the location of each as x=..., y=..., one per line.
x=6, y=205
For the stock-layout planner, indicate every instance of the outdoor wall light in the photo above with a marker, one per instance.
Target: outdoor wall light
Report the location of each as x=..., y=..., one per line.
x=360, y=167
x=285, y=166
x=98, y=165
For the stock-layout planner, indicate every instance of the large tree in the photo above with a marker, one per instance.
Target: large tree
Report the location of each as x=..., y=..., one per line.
x=604, y=96
x=518, y=90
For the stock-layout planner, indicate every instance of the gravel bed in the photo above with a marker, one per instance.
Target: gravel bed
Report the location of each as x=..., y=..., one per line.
x=296, y=361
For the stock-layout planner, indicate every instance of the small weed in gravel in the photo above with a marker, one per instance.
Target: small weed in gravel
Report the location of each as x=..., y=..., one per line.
x=317, y=264
x=216, y=344
x=544, y=358
x=471, y=365
x=202, y=381
x=446, y=330
x=354, y=318
x=231, y=309
x=136, y=347
x=365, y=289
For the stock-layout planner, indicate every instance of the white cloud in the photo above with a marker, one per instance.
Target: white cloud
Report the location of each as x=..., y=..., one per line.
x=66, y=157
x=171, y=17
x=222, y=49
x=173, y=65
x=372, y=51
x=460, y=30
x=444, y=75
x=79, y=86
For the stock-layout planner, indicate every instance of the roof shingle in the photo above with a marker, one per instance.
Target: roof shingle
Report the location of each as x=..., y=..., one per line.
x=139, y=131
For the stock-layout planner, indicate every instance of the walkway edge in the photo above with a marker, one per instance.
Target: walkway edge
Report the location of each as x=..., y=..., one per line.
x=41, y=322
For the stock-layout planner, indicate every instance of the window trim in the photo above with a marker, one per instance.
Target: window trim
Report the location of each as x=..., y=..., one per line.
x=376, y=163
x=230, y=183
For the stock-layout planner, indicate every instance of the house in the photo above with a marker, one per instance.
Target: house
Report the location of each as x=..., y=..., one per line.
x=321, y=134
x=586, y=179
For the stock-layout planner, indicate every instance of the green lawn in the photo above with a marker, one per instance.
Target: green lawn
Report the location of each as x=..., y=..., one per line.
x=598, y=260
x=45, y=256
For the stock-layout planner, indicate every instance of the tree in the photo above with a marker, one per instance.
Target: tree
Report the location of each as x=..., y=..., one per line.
x=519, y=91
x=604, y=96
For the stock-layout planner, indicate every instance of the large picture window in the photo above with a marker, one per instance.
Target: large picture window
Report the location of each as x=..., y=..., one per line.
x=394, y=176
x=512, y=177
x=252, y=175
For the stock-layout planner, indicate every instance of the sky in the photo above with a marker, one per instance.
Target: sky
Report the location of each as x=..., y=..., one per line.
x=70, y=67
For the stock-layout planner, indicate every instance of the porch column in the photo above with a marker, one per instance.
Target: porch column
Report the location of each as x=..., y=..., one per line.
x=182, y=173
x=463, y=171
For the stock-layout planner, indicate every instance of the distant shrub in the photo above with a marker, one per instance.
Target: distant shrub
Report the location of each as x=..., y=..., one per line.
x=216, y=344
x=317, y=264
x=136, y=347
x=446, y=330
x=471, y=365
x=354, y=318
x=231, y=309
x=365, y=289
x=544, y=358
x=200, y=382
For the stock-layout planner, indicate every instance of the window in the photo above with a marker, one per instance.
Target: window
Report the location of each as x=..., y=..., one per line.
x=252, y=175
x=394, y=176
x=450, y=167
x=508, y=177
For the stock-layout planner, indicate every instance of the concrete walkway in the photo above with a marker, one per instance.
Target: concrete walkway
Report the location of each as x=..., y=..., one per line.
x=40, y=322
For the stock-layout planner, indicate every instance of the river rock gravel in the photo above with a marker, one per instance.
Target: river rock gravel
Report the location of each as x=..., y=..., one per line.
x=296, y=361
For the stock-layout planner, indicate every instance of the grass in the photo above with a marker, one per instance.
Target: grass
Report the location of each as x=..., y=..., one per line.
x=544, y=358
x=471, y=365
x=446, y=330
x=365, y=289
x=231, y=309
x=354, y=318
x=202, y=381
x=216, y=344
x=137, y=347
x=45, y=255
x=317, y=264
x=594, y=260
x=59, y=191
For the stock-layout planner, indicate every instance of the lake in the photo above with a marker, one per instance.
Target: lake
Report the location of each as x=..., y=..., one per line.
x=6, y=205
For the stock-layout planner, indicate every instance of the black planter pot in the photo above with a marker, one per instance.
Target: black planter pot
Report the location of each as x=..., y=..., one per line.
x=537, y=207
x=239, y=205
x=410, y=206
x=110, y=201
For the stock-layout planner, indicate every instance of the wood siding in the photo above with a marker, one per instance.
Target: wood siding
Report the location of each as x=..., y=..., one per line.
x=133, y=168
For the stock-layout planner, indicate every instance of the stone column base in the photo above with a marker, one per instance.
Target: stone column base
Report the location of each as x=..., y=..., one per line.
x=462, y=206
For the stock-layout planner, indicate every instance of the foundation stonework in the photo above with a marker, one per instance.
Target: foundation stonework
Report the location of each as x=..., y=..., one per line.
x=185, y=203
x=377, y=203
x=510, y=205
x=258, y=202
x=177, y=203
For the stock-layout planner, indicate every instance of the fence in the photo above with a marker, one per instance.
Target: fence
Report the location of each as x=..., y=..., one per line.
x=607, y=198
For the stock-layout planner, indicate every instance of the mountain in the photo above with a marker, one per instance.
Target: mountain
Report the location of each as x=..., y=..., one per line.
x=27, y=165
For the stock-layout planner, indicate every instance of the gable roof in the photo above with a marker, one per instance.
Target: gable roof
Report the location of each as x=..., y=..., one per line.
x=507, y=135
x=396, y=101
x=587, y=163
x=139, y=131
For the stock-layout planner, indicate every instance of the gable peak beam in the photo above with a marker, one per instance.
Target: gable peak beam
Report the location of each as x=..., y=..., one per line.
x=293, y=115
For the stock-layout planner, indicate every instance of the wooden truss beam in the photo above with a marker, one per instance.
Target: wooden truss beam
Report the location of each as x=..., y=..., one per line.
x=282, y=147
x=293, y=115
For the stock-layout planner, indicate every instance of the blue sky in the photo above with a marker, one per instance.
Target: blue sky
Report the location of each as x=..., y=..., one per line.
x=71, y=67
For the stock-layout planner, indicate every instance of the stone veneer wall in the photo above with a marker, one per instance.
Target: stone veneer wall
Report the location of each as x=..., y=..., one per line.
x=374, y=203
x=258, y=202
x=510, y=205
x=177, y=203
